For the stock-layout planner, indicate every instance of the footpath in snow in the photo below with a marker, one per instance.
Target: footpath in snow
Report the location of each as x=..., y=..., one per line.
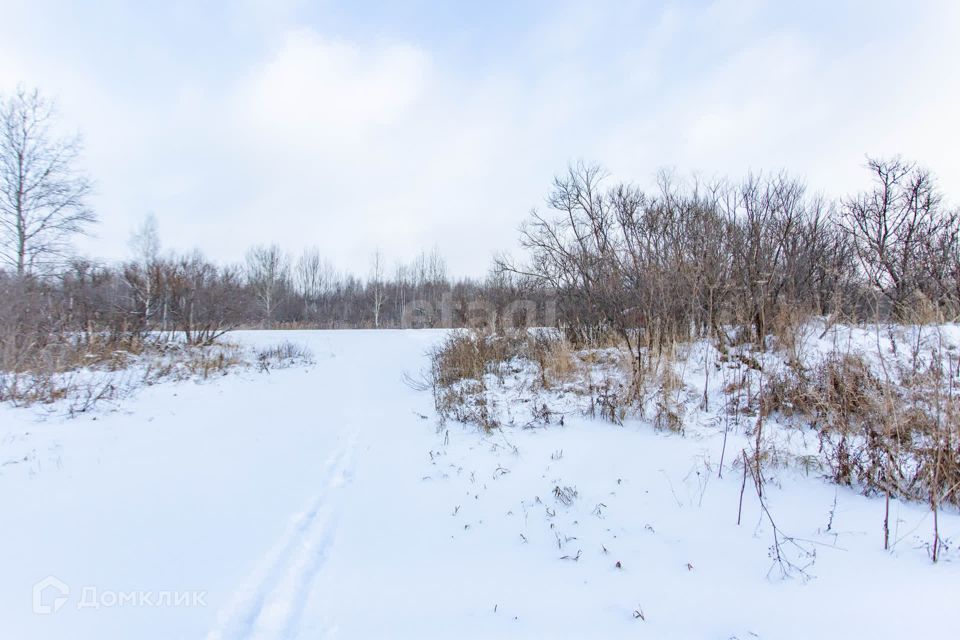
x=323, y=501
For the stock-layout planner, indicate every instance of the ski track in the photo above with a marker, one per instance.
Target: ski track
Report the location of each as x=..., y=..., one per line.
x=269, y=604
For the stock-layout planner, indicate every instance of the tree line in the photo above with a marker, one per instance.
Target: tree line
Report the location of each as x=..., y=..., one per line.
x=695, y=258
x=685, y=259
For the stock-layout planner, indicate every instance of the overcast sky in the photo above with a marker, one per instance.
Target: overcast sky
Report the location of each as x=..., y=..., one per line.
x=363, y=124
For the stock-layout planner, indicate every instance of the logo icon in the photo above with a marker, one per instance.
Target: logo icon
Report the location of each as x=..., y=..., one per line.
x=49, y=595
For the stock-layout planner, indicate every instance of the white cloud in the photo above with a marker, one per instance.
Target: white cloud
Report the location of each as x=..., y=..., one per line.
x=356, y=142
x=313, y=89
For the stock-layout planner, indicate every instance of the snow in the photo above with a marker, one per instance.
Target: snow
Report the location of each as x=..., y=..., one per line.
x=317, y=501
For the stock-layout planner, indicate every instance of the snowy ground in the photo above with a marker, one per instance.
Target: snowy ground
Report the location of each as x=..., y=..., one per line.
x=322, y=501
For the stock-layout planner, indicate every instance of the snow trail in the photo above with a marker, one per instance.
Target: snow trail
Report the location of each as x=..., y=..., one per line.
x=269, y=602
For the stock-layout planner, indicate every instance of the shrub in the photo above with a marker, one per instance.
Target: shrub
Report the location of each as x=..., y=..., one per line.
x=900, y=437
x=282, y=355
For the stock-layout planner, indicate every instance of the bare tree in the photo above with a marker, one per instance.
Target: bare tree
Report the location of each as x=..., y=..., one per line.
x=401, y=283
x=377, y=285
x=268, y=274
x=145, y=241
x=205, y=301
x=142, y=274
x=42, y=194
x=314, y=278
x=895, y=229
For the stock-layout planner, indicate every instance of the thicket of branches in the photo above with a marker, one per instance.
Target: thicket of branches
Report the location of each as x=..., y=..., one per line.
x=695, y=258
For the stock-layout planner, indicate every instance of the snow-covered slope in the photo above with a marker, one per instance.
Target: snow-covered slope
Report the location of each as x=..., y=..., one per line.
x=322, y=501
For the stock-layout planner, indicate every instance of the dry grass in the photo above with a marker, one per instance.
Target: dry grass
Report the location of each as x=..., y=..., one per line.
x=465, y=365
x=471, y=355
x=555, y=358
x=669, y=408
x=282, y=355
x=177, y=361
x=891, y=437
x=891, y=428
x=459, y=367
x=86, y=372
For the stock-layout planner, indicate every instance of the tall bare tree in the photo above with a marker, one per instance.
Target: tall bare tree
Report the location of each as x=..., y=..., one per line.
x=377, y=285
x=314, y=278
x=142, y=273
x=43, y=196
x=268, y=274
x=895, y=228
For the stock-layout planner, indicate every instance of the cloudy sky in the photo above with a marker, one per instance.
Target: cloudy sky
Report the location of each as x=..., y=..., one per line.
x=407, y=125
